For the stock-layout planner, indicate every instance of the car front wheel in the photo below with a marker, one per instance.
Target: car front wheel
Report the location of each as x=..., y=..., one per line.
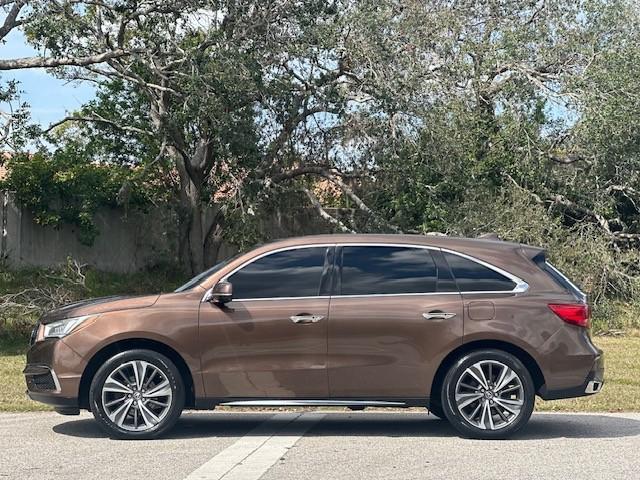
x=488, y=394
x=137, y=394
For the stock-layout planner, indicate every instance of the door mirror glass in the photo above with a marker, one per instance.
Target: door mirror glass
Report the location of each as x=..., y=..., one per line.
x=222, y=292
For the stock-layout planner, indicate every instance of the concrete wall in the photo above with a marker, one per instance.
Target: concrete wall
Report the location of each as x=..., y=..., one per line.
x=126, y=242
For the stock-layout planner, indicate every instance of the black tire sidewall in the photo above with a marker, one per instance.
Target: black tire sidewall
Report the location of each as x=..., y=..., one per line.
x=448, y=394
x=158, y=360
x=435, y=409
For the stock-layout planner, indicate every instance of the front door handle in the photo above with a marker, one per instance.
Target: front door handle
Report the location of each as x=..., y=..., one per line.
x=306, y=318
x=438, y=315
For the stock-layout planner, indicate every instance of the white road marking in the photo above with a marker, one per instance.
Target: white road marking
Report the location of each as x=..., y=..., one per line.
x=252, y=455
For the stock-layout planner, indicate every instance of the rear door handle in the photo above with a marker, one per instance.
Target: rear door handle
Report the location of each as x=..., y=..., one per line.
x=437, y=315
x=306, y=318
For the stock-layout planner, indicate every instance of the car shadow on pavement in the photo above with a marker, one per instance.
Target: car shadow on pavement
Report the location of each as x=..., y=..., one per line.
x=226, y=424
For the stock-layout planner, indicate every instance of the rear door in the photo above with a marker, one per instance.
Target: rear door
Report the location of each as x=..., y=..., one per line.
x=394, y=315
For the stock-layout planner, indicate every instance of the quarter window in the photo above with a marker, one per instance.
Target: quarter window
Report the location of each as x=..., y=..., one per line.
x=473, y=277
x=290, y=273
x=372, y=270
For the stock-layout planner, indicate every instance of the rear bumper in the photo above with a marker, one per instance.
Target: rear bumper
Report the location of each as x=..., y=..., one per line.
x=592, y=384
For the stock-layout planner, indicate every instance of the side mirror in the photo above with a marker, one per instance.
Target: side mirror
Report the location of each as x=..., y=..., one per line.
x=222, y=292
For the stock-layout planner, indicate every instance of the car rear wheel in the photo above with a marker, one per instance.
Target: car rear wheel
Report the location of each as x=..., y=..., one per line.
x=137, y=394
x=435, y=409
x=488, y=394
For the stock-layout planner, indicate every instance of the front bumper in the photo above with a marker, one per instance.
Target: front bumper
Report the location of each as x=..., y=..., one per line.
x=53, y=374
x=592, y=384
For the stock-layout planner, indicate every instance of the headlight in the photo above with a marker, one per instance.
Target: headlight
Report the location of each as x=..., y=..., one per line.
x=62, y=328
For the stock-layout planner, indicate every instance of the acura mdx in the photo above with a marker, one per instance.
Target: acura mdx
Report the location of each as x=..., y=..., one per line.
x=472, y=329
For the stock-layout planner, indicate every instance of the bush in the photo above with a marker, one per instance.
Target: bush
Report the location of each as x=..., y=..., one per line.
x=609, y=276
x=26, y=294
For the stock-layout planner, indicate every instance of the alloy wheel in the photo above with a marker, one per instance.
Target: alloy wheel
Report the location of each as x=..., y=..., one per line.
x=136, y=396
x=489, y=395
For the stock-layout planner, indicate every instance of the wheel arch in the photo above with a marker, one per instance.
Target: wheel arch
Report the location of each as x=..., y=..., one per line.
x=124, y=345
x=525, y=357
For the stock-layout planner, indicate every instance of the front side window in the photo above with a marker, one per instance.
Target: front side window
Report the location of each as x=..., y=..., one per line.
x=373, y=270
x=290, y=273
x=471, y=276
x=198, y=279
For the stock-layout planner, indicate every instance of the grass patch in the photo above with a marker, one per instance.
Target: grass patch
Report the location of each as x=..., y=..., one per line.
x=621, y=392
x=96, y=284
x=615, y=316
x=12, y=385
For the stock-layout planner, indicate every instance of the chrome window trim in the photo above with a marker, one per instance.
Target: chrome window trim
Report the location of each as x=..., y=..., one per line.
x=271, y=252
x=521, y=285
x=318, y=297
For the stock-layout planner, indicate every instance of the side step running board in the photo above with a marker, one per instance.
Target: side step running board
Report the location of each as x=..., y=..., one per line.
x=312, y=403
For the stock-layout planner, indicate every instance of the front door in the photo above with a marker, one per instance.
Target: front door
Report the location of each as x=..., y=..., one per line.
x=271, y=340
x=391, y=321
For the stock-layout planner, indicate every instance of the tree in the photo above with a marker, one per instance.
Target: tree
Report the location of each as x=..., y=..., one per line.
x=228, y=91
x=519, y=117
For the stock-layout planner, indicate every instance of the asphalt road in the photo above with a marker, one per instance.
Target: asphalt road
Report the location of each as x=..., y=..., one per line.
x=323, y=445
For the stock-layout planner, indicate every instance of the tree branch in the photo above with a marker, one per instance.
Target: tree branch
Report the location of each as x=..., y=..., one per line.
x=11, y=20
x=335, y=176
x=323, y=213
x=99, y=119
x=120, y=72
x=44, y=62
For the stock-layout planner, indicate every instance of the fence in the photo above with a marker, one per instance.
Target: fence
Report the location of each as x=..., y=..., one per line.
x=126, y=242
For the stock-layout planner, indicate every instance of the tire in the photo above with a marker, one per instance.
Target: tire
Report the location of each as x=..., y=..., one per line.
x=495, y=412
x=140, y=408
x=435, y=409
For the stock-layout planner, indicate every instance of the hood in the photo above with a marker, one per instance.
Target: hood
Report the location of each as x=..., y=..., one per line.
x=94, y=306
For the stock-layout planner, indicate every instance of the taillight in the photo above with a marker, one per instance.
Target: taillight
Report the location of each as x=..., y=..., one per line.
x=574, y=313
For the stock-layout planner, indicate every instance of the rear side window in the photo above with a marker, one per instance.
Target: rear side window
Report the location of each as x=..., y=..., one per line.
x=290, y=273
x=471, y=276
x=559, y=277
x=378, y=270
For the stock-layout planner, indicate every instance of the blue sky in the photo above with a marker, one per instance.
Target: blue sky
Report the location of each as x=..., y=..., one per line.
x=50, y=98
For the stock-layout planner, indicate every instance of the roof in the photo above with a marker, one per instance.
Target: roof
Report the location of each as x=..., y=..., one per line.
x=443, y=241
x=505, y=255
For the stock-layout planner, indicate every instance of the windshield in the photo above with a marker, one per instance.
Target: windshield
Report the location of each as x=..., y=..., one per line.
x=201, y=276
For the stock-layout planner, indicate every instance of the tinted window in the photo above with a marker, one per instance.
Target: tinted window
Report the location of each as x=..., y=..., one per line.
x=472, y=277
x=559, y=277
x=198, y=279
x=387, y=270
x=291, y=273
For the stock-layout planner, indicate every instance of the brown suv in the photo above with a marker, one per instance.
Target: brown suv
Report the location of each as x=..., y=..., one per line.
x=471, y=329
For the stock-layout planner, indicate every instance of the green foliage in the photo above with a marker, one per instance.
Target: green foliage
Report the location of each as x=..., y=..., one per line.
x=582, y=251
x=66, y=186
